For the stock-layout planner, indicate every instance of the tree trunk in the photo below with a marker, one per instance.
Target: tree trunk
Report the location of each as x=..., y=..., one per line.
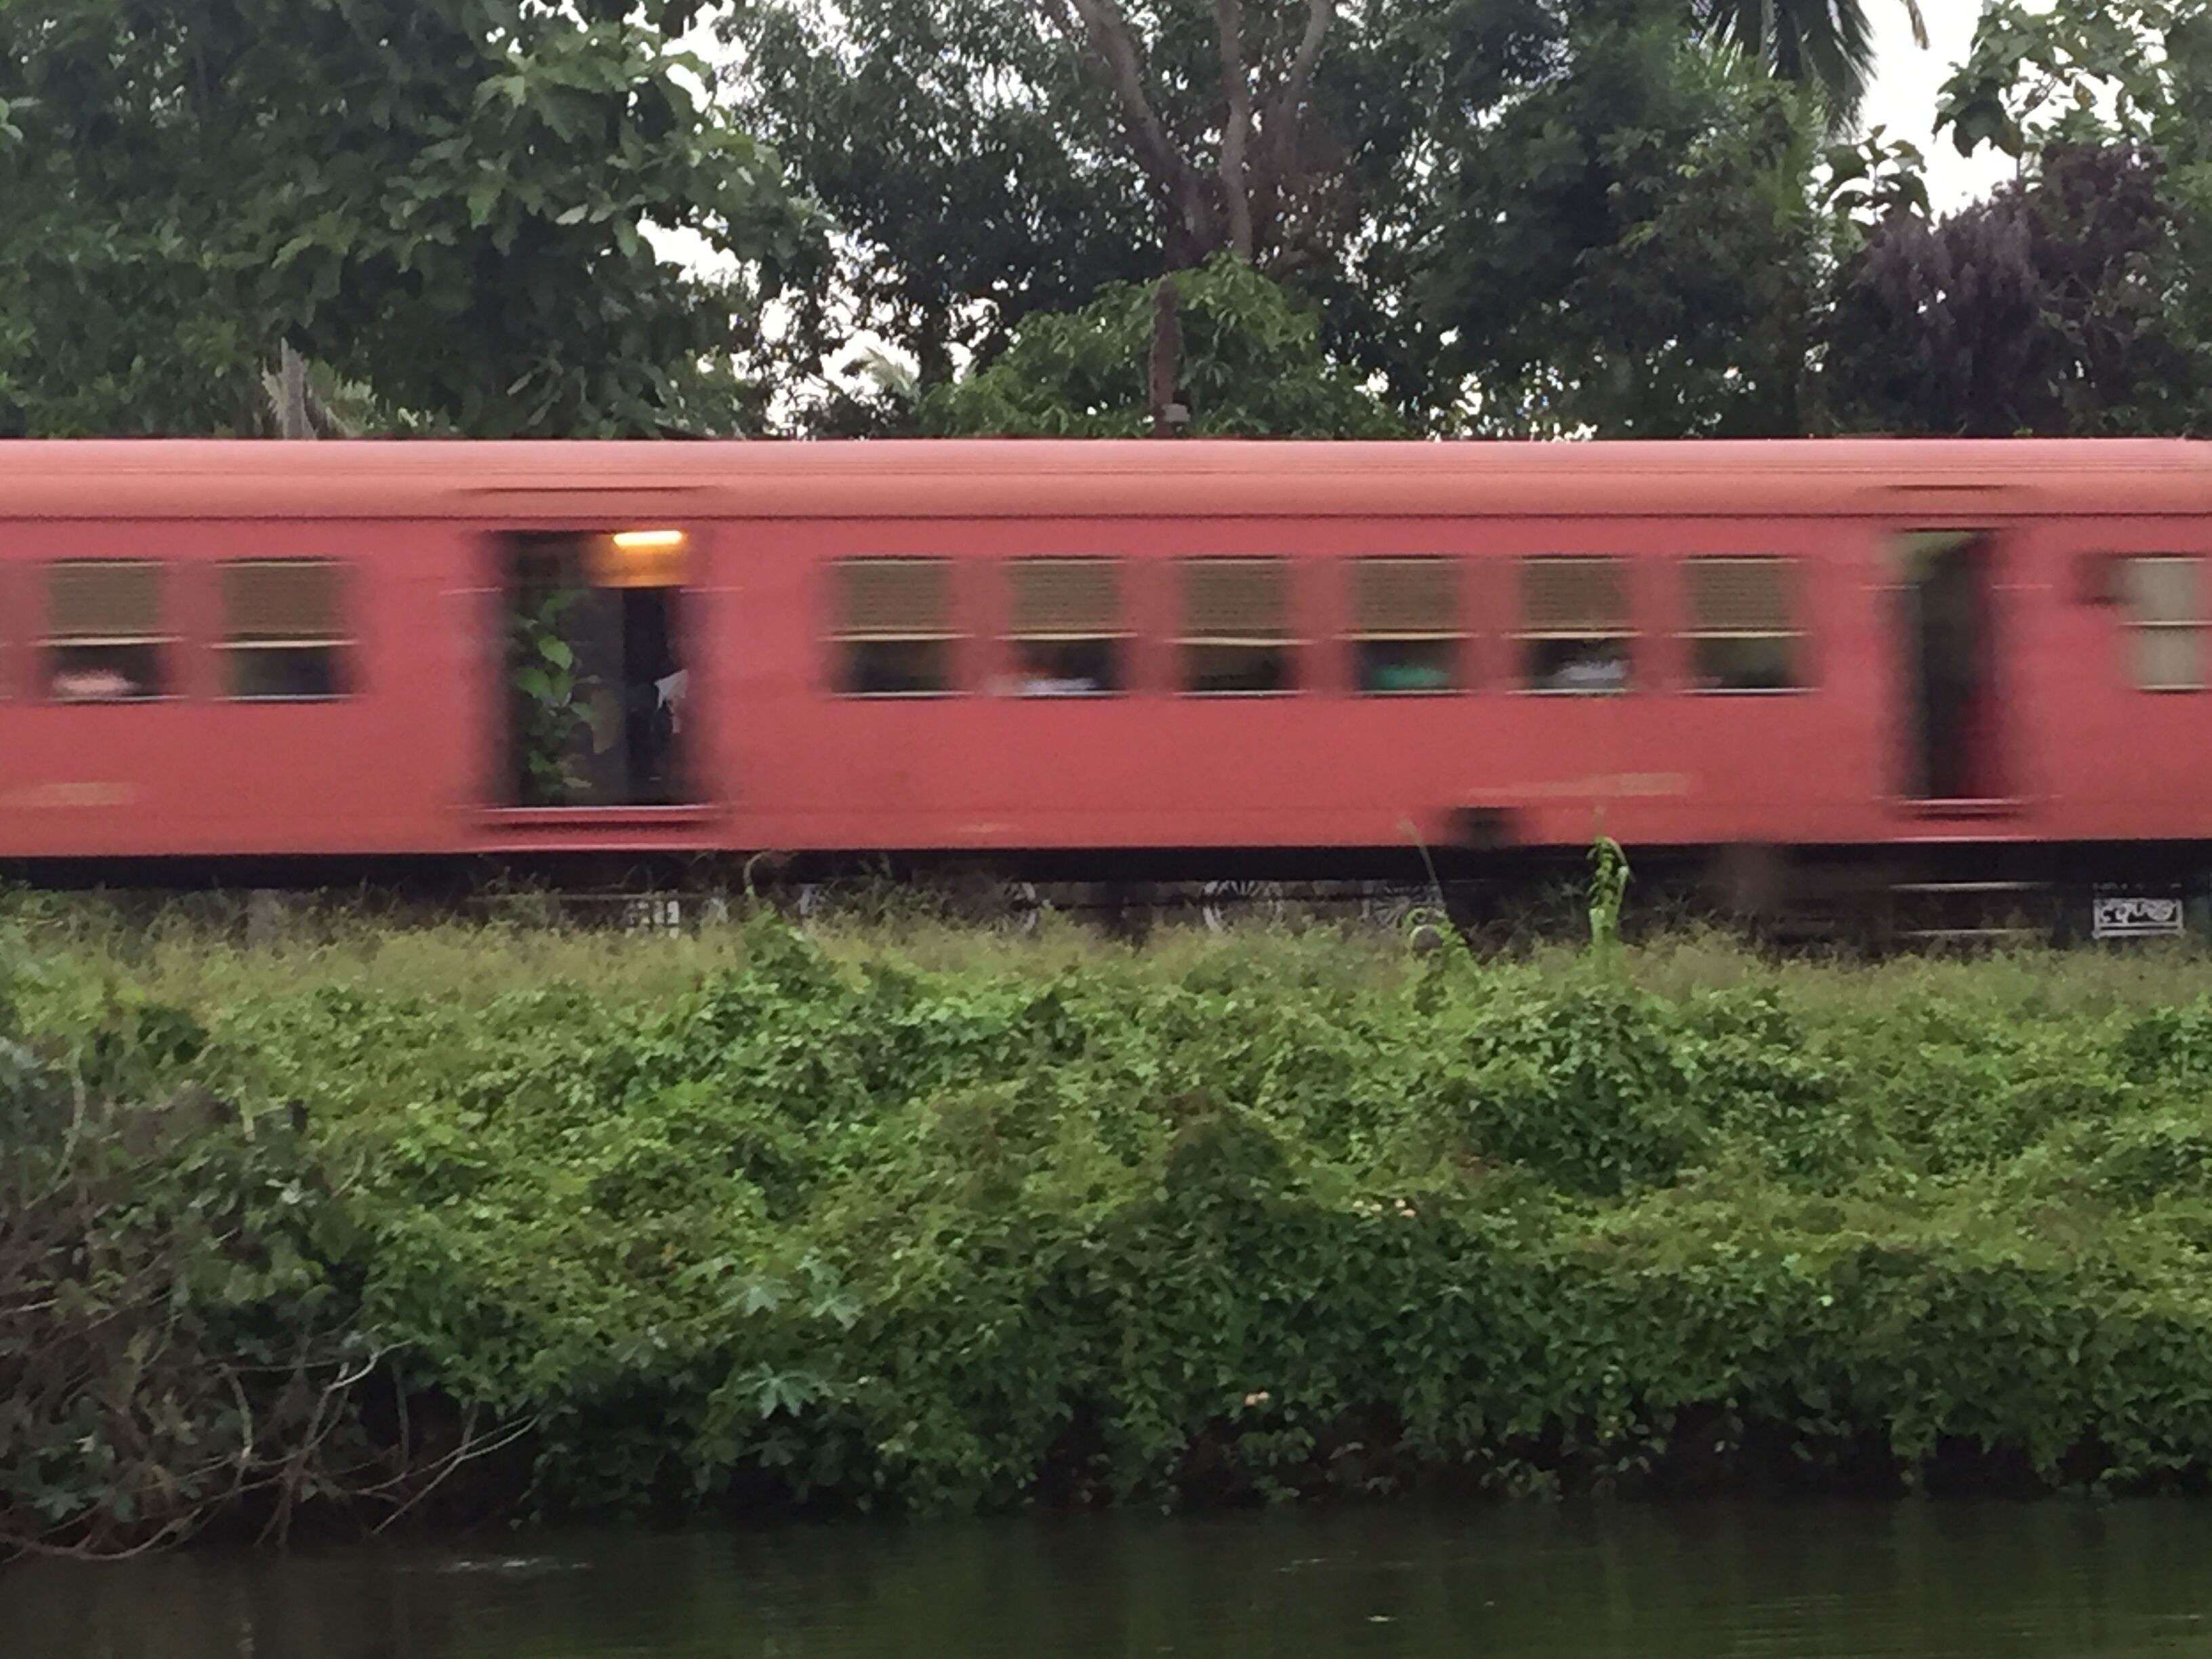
x=1236, y=125
x=1169, y=418
x=292, y=420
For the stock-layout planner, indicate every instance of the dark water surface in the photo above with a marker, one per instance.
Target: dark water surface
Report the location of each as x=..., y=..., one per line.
x=1988, y=1582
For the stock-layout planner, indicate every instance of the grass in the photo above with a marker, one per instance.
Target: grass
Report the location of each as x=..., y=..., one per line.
x=195, y=954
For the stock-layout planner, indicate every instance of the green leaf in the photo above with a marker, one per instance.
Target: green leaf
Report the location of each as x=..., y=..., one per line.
x=205, y=185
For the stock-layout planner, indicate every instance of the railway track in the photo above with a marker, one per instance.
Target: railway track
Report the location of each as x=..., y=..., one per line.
x=1845, y=902
x=1907, y=916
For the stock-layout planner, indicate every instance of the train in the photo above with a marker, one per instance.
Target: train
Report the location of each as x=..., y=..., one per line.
x=1800, y=676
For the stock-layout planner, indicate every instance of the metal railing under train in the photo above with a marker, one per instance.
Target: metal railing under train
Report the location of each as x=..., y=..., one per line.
x=1012, y=907
x=1902, y=914
x=1910, y=914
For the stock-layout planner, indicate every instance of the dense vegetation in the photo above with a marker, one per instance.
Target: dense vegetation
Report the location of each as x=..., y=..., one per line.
x=453, y=1223
x=1491, y=218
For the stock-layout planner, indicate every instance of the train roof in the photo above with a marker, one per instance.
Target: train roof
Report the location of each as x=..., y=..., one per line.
x=1928, y=479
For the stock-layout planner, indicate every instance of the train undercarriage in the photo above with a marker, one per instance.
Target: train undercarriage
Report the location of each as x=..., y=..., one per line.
x=1956, y=895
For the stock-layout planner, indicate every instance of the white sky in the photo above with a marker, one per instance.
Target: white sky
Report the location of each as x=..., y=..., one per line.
x=1903, y=97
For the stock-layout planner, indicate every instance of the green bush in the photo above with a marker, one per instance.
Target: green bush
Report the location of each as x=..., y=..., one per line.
x=174, y=1347
x=459, y=1221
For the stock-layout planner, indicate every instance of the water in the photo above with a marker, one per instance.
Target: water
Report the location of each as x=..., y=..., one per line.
x=1988, y=1581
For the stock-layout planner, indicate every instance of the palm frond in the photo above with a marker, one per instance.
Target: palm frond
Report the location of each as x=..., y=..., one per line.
x=1827, y=43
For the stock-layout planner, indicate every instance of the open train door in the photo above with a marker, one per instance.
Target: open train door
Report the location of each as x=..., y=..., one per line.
x=597, y=676
x=582, y=640
x=1952, y=755
x=1955, y=757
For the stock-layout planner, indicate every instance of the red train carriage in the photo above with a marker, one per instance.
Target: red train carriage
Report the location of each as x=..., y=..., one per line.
x=1105, y=655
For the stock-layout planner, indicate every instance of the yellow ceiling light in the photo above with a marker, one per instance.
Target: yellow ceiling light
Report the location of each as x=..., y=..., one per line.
x=648, y=541
x=640, y=558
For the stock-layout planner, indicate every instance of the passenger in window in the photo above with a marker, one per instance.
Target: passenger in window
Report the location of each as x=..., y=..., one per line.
x=647, y=732
x=1047, y=673
x=1412, y=676
x=670, y=692
x=93, y=685
x=1385, y=671
x=1581, y=666
x=1592, y=673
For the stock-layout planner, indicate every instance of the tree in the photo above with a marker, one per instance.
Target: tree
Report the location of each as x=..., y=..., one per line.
x=1826, y=43
x=1249, y=363
x=1239, y=197
x=446, y=201
x=1642, y=247
x=2046, y=309
x=990, y=159
x=2077, y=72
x=2074, y=301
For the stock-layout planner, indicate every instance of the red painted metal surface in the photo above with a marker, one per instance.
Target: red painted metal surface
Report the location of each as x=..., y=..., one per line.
x=2070, y=750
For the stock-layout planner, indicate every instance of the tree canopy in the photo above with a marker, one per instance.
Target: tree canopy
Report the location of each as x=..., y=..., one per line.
x=1497, y=217
x=446, y=200
x=1428, y=176
x=2047, y=310
x=2074, y=300
x=1249, y=363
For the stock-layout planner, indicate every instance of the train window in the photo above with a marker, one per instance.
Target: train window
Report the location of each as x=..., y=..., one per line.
x=282, y=636
x=1575, y=631
x=1067, y=628
x=1236, y=636
x=894, y=627
x=2165, y=613
x=104, y=642
x=1405, y=622
x=1742, y=632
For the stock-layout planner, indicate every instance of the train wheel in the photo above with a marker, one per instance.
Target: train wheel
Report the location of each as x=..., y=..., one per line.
x=1021, y=908
x=1390, y=910
x=810, y=905
x=1424, y=928
x=1125, y=911
x=1226, y=904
